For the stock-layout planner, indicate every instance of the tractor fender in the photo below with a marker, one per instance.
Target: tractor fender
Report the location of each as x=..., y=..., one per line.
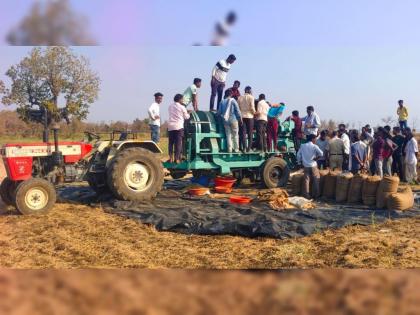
x=119, y=146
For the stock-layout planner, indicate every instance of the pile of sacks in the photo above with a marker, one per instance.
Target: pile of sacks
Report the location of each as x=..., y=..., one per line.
x=370, y=190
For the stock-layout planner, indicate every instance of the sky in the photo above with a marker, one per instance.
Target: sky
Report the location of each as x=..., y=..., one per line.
x=353, y=84
x=267, y=22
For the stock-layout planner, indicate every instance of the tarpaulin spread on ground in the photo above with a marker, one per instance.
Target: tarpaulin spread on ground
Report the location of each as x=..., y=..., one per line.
x=176, y=212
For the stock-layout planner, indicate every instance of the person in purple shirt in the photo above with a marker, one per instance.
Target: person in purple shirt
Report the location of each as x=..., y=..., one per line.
x=378, y=151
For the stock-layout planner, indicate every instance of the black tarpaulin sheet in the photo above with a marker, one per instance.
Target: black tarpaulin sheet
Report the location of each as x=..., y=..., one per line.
x=176, y=212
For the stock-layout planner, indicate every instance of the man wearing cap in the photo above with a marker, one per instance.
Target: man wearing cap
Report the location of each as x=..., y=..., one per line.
x=154, y=117
x=218, y=80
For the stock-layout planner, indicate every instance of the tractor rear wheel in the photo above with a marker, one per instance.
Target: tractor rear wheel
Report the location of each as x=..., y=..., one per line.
x=275, y=173
x=35, y=196
x=7, y=189
x=135, y=174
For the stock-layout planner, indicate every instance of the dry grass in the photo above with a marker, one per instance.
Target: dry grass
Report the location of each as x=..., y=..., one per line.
x=91, y=292
x=74, y=236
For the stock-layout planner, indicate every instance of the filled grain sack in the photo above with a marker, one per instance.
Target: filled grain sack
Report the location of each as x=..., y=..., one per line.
x=387, y=186
x=402, y=200
x=330, y=181
x=342, y=187
x=369, y=189
x=297, y=181
x=355, y=190
x=322, y=174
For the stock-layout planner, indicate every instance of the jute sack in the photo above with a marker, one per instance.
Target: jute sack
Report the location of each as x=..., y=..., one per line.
x=342, y=188
x=387, y=186
x=369, y=189
x=401, y=201
x=355, y=189
x=297, y=181
x=322, y=174
x=330, y=181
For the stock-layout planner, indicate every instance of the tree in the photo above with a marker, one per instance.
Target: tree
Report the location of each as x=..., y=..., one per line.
x=388, y=120
x=49, y=76
x=53, y=23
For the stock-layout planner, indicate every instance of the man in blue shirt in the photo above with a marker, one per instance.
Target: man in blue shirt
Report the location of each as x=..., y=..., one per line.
x=231, y=117
x=273, y=115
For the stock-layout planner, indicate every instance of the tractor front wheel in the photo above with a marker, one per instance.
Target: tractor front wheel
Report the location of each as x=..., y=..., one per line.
x=7, y=190
x=136, y=174
x=35, y=196
x=275, y=173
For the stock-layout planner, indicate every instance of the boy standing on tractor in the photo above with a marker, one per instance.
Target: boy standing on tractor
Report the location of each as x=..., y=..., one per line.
x=297, y=131
x=154, y=116
x=231, y=116
x=218, y=79
x=274, y=113
x=262, y=117
x=190, y=94
x=177, y=116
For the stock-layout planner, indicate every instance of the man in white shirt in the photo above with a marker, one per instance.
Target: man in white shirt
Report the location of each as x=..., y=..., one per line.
x=342, y=133
x=262, y=118
x=411, y=154
x=312, y=122
x=190, y=94
x=154, y=117
x=247, y=107
x=218, y=80
x=307, y=156
x=177, y=116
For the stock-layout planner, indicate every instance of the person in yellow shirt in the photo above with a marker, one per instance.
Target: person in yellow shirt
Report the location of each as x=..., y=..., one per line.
x=402, y=113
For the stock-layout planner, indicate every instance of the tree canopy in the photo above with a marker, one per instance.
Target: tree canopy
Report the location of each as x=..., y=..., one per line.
x=49, y=76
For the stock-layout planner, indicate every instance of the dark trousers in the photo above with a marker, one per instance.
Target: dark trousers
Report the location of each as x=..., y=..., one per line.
x=397, y=165
x=272, y=131
x=175, y=143
x=403, y=124
x=216, y=88
x=262, y=135
x=245, y=133
x=322, y=164
x=346, y=162
x=296, y=140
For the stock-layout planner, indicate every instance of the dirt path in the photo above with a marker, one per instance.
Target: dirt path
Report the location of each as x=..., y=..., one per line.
x=74, y=236
x=205, y=292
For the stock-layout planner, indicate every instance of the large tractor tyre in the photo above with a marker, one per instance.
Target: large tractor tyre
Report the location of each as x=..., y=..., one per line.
x=177, y=174
x=275, y=173
x=7, y=190
x=135, y=174
x=35, y=196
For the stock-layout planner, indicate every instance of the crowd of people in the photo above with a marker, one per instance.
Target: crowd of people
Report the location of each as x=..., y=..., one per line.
x=385, y=151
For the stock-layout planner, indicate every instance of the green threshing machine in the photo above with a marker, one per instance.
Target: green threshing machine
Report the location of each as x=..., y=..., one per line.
x=205, y=151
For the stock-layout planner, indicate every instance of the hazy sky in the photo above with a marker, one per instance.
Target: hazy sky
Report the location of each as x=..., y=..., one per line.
x=345, y=83
x=273, y=22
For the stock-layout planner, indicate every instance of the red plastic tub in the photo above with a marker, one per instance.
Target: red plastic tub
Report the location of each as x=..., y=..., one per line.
x=223, y=190
x=198, y=191
x=240, y=199
x=224, y=182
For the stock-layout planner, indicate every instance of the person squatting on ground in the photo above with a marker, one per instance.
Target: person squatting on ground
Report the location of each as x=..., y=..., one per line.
x=177, y=115
x=342, y=133
x=322, y=143
x=335, y=152
x=359, y=154
x=191, y=94
x=402, y=113
x=247, y=107
x=312, y=122
x=411, y=154
x=218, y=79
x=307, y=156
x=261, y=116
x=154, y=117
x=231, y=116
x=273, y=116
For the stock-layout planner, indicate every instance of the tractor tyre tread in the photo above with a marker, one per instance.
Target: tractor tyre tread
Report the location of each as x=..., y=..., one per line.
x=22, y=189
x=7, y=188
x=115, y=172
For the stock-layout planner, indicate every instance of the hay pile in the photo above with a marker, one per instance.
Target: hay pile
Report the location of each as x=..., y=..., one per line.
x=277, y=198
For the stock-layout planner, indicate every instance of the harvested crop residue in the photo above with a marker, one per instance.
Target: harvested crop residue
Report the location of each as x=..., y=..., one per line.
x=208, y=292
x=75, y=236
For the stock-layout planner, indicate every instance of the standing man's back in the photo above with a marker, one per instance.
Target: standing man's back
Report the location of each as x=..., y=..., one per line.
x=218, y=79
x=154, y=117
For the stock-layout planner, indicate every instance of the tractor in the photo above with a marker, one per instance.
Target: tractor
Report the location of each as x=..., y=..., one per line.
x=205, y=152
x=129, y=168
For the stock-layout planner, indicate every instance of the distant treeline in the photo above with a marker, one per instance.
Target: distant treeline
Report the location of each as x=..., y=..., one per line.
x=12, y=126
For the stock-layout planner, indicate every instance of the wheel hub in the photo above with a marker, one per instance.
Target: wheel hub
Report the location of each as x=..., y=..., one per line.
x=275, y=173
x=136, y=176
x=36, y=198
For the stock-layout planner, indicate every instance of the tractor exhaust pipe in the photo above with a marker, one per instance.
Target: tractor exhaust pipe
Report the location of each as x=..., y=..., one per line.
x=57, y=155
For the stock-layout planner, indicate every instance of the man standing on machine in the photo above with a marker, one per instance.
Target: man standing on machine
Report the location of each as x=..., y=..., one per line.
x=154, y=118
x=218, y=80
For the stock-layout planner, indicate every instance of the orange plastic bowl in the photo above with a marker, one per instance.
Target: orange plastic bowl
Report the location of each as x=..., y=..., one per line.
x=240, y=199
x=223, y=190
x=198, y=191
x=224, y=181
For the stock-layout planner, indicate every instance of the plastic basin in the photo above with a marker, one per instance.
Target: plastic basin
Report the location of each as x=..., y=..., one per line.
x=223, y=189
x=240, y=199
x=198, y=191
x=224, y=182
